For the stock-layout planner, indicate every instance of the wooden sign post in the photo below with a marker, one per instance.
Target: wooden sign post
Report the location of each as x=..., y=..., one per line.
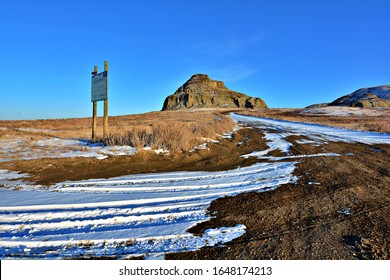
x=99, y=92
x=94, y=113
x=105, y=118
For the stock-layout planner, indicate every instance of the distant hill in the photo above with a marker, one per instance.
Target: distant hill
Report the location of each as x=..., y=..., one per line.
x=320, y=105
x=366, y=98
x=202, y=92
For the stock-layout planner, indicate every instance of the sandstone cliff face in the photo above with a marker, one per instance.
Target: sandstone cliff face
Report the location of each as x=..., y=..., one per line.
x=202, y=92
x=366, y=98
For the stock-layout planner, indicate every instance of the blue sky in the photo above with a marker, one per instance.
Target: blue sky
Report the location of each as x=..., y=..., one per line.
x=290, y=53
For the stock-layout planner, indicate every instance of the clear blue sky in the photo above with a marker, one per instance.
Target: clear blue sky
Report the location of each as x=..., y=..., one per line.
x=290, y=53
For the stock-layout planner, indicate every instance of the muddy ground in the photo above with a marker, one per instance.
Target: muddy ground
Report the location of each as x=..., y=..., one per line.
x=338, y=209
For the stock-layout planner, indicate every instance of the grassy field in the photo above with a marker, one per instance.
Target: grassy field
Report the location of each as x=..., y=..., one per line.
x=176, y=131
x=170, y=130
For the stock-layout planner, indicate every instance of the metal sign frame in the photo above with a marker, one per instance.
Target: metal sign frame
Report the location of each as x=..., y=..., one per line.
x=99, y=87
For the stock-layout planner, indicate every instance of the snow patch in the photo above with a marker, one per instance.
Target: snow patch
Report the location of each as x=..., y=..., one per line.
x=346, y=211
x=228, y=135
x=343, y=111
x=9, y=178
x=6, y=175
x=59, y=148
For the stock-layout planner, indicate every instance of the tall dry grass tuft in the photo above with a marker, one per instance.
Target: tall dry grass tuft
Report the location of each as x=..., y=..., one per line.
x=137, y=136
x=174, y=136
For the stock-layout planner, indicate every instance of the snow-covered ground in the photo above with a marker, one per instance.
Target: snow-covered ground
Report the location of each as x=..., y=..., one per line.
x=277, y=130
x=146, y=214
x=19, y=148
x=130, y=215
x=23, y=149
x=346, y=111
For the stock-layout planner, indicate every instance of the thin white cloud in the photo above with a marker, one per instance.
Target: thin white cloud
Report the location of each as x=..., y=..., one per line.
x=233, y=73
x=228, y=47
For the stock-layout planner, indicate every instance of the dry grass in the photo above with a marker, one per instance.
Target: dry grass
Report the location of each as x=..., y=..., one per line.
x=179, y=132
x=170, y=130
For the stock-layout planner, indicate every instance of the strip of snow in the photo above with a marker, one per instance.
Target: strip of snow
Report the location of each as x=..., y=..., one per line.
x=228, y=135
x=259, y=170
x=275, y=141
x=260, y=156
x=8, y=178
x=6, y=174
x=305, y=141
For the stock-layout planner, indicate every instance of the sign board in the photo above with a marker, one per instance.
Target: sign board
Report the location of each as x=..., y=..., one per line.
x=99, y=87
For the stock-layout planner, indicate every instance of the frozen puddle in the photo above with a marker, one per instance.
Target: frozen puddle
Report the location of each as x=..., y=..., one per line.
x=130, y=215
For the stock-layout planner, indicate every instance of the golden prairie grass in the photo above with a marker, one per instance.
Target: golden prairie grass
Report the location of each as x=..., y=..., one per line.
x=176, y=133
x=172, y=130
x=169, y=130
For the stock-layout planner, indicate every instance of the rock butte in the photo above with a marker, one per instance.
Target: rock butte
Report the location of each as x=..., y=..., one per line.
x=202, y=92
